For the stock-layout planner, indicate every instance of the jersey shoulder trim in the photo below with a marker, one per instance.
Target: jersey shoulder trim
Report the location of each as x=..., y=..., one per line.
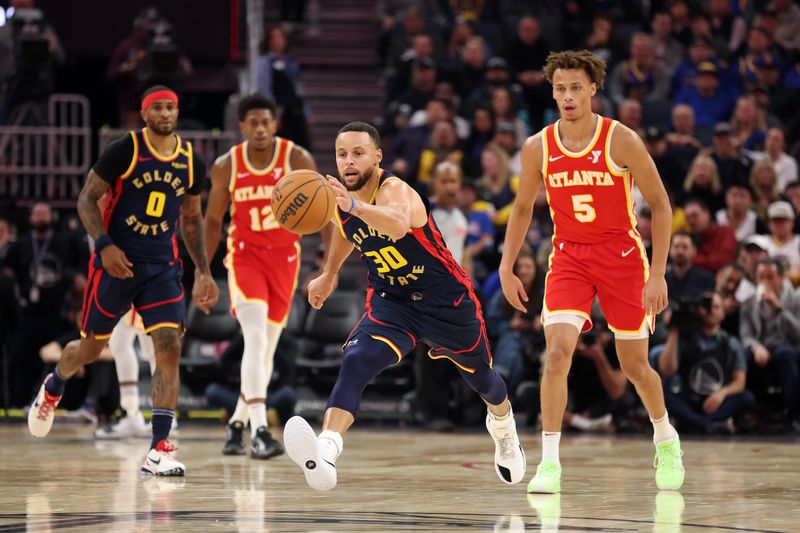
x=612, y=166
x=134, y=158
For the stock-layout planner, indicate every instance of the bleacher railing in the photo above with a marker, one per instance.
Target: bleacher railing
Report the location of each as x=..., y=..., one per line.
x=45, y=153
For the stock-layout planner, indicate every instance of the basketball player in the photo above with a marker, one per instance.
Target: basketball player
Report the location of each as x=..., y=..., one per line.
x=263, y=259
x=154, y=177
x=587, y=164
x=416, y=292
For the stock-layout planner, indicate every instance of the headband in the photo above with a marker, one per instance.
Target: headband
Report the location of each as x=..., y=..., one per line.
x=166, y=94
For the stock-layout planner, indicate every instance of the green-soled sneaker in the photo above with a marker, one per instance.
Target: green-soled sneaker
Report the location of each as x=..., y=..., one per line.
x=547, y=479
x=668, y=464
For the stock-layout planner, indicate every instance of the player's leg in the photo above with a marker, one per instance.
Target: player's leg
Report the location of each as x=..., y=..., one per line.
x=364, y=358
x=75, y=355
x=132, y=423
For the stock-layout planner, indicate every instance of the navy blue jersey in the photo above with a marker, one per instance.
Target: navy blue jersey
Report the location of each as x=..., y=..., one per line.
x=146, y=195
x=418, y=262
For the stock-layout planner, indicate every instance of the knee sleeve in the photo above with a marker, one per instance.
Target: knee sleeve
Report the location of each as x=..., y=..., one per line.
x=253, y=320
x=487, y=383
x=363, y=360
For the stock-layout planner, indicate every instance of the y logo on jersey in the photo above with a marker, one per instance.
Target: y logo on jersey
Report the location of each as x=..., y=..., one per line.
x=278, y=172
x=596, y=155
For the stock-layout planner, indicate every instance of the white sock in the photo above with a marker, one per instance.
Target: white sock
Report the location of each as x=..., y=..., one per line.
x=240, y=414
x=662, y=429
x=129, y=398
x=330, y=445
x=550, y=441
x=258, y=416
x=500, y=418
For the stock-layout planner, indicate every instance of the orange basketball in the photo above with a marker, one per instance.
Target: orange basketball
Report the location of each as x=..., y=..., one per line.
x=303, y=202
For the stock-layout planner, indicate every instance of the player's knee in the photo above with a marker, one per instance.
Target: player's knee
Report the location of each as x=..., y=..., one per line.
x=636, y=371
x=167, y=346
x=557, y=361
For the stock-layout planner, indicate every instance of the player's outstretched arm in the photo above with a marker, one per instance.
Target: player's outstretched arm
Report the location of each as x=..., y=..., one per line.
x=628, y=151
x=323, y=285
x=205, y=292
x=530, y=179
x=218, y=199
x=114, y=260
x=397, y=208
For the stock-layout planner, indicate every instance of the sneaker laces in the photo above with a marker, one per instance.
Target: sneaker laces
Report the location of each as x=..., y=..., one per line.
x=667, y=456
x=503, y=431
x=47, y=406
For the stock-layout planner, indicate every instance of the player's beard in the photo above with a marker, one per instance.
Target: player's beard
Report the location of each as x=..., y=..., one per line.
x=363, y=178
x=162, y=130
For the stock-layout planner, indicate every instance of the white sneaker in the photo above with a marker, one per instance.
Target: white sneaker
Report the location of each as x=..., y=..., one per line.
x=42, y=412
x=509, y=457
x=130, y=425
x=160, y=462
x=307, y=452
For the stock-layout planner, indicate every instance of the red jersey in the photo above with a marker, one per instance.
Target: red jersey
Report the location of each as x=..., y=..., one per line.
x=252, y=220
x=590, y=196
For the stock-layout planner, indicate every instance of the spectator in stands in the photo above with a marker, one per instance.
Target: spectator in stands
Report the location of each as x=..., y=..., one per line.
x=683, y=144
x=495, y=184
x=667, y=50
x=526, y=55
x=42, y=264
x=700, y=52
x=671, y=170
x=471, y=71
x=711, y=370
x=395, y=39
x=444, y=94
x=729, y=29
x=681, y=21
x=784, y=241
x=480, y=231
x=777, y=98
x=417, y=95
x=702, y=181
x=729, y=279
x=737, y=214
x=684, y=280
x=748, y=125
x=641, y=77
x=716, y=245
x=629, y=113
x=785, y=165
x=764, y=182
x=442, y=146
x=517, y=336
x=452, y=223
x=481, y=133
x=754, y=249
x=598, y=39
x=759, y=43
x=733, y=166
x=422, y=46
x=770, y=329
x=5, y=239
x=787, y=14
x=504, y=110
x=710, y=103
x=506, y=138
x=497, y=75
x=407, y=146
x=792, y=194
x=460, y=33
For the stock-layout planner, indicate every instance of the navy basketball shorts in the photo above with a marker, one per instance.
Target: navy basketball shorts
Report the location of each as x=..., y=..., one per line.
x=450, y=322
x=155, y=291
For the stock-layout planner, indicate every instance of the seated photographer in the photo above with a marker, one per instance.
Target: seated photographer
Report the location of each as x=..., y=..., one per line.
x=598, y=389
x=770, y=330
x=709, y=393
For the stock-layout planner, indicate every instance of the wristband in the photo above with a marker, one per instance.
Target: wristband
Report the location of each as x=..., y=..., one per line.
x=352, y=205
x=102, y=242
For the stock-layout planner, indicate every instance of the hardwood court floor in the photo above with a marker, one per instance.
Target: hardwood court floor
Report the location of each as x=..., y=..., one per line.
x=397, y=480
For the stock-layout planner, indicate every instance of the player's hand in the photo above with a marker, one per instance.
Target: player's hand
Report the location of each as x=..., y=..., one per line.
x=115, y=262
x=654, y=295
x=320, y=288
x=343, y=198
x=713, y=402
x=513, y=290
x=205, y=292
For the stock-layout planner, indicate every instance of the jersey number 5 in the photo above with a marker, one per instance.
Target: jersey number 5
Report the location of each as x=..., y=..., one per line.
x=581, y=205
x=263, y=221
x=386, y=259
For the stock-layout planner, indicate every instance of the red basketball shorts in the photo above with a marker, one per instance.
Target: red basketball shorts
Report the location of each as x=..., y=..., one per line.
x=614, y=270
x=267, y=275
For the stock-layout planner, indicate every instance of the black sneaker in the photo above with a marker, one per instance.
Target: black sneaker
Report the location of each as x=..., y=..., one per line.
x=263, y=446
x=234, y=439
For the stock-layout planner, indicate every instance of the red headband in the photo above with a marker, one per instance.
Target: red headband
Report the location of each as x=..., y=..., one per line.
x=148, y=100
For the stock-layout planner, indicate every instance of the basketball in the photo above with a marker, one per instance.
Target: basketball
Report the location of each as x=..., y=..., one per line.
x=303, y=202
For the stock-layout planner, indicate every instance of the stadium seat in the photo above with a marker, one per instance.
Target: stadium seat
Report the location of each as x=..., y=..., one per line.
x=297, y=315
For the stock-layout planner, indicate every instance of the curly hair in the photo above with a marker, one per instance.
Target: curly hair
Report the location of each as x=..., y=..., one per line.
x=594, y=67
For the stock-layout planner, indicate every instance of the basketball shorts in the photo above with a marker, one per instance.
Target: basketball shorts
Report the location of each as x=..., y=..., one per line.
x=614, y=270
x=450, y=322
x=155, y=291
x=267, y=275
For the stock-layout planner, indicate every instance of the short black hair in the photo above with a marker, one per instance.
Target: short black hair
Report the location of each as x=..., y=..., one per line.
x=155, y=88
x=683, y=233
x=792, y=185
x=772, y=261
x=369, y=129
x=256, y=101
x=699, y=201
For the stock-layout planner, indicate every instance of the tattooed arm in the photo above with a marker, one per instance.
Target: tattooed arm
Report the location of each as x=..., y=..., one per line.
x=204, y=292
x=114, y=260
